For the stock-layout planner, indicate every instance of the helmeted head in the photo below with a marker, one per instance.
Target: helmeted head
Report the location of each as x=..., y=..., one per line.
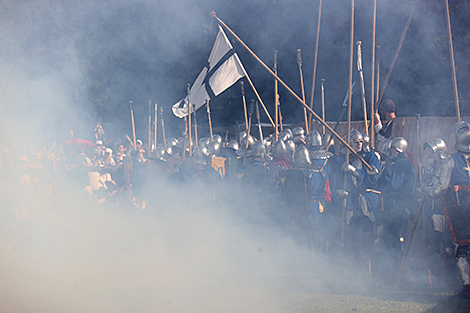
x=251, y=141
x=301, y=156
x=299, y=134
x=170, y=142
x=366, y=144
x=159, y=152
x=384, y=147
x=204, y=141
x=217, y=138
x=201, y=155
x=290, y=148
x=259, y=149
x=285, y=134
x=325, y=139
x=233, y=144
x=279, y=149
x=462, y=137
x=214, y=148
x=314, y=140
x=357, y=140
x=398, y=145
x=437, y=145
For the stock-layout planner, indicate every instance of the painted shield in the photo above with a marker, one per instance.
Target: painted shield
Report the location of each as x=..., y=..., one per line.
x=456, y=203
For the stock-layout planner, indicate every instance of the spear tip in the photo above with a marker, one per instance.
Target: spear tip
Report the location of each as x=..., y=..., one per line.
x=212, y=13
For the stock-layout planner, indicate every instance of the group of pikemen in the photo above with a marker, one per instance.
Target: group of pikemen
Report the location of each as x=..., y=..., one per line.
x=303, y=184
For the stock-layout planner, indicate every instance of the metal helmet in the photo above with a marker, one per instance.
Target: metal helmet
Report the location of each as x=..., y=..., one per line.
x=217, y=138
x=462, y=136
x=384, y=147
x=204, y=141
x=171, y=141
x=301, y=156
x=285, y=134
x=437, y=145
x=259, y=149
x=201, y=155
x=365, y=145
x=279, y=149
x=251, y=141
x=356, y=136
x=233, y=144
x=241, y=135
x=314, y=139
x=298, y=131
x=290, y=148
x=400, y=144
x=214, y=148
x=159, y=152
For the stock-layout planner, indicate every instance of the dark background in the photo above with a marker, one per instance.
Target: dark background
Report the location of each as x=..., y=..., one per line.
x=68, y=64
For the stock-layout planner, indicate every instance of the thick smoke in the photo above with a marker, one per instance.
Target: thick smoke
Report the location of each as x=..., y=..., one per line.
x=65, y=65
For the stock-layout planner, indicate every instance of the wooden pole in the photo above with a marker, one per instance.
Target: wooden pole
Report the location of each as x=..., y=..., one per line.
x=195, y=127
x=315, y=61
x=351, y=56
x=210, y=120
x=276, y=98
x=149, y=141
x=244, y=106
x=328, y=127
x=363, y=89
x=372, y=93
x=163, y=129
x=378, y=81
x=452, y=61
x=322, y=104
x=133, y=123
x=259, y=99
x=299, y=62
x=155, y=124
x=185, y=137
x=189, y=125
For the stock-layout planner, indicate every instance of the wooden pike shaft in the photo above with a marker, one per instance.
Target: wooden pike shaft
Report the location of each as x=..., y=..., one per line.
x=363, y=89
x=315, y=60
x=163, y=128
x=244, y=106
x=185, y=136
x=209, y=119
x=372, y=94
x=149, y=146
x=351, y=55
x=299, y=62
x=323, y=104
x=378, y=81
x=452, y=61
x=259, y=98
x=195, y=127
x=276, y=98
x=189, y=126
x=133, y=123
x=328, y=127
x=155, y=126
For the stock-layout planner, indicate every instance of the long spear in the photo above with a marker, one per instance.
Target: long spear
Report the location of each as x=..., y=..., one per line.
x=195, y=127
x=343, y=217
x=155, y=126
x=163, y=128
x=244, y=106
x=372, y=94
x=315, y=60
x=363, y=89
x=328, y=127
x=276, y=98
x=189, y=127
x=452, y=61
x=133, y=122
x=250, y=113
x=299, y=63
x=209, y=119
x=185, y=136
x=149, y=146
x=323, y=104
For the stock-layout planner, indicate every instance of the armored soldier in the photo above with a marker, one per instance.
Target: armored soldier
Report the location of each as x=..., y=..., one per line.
x=397, y=184
x=452, y=183
x=362, y=197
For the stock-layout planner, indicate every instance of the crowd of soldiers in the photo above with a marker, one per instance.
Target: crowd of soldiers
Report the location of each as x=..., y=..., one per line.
x=299, y=182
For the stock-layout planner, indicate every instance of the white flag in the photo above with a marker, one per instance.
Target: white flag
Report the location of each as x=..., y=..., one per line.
x=223, y=70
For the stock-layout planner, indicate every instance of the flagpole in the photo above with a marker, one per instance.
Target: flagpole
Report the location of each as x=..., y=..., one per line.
x=340, y=139
x=244, y=106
